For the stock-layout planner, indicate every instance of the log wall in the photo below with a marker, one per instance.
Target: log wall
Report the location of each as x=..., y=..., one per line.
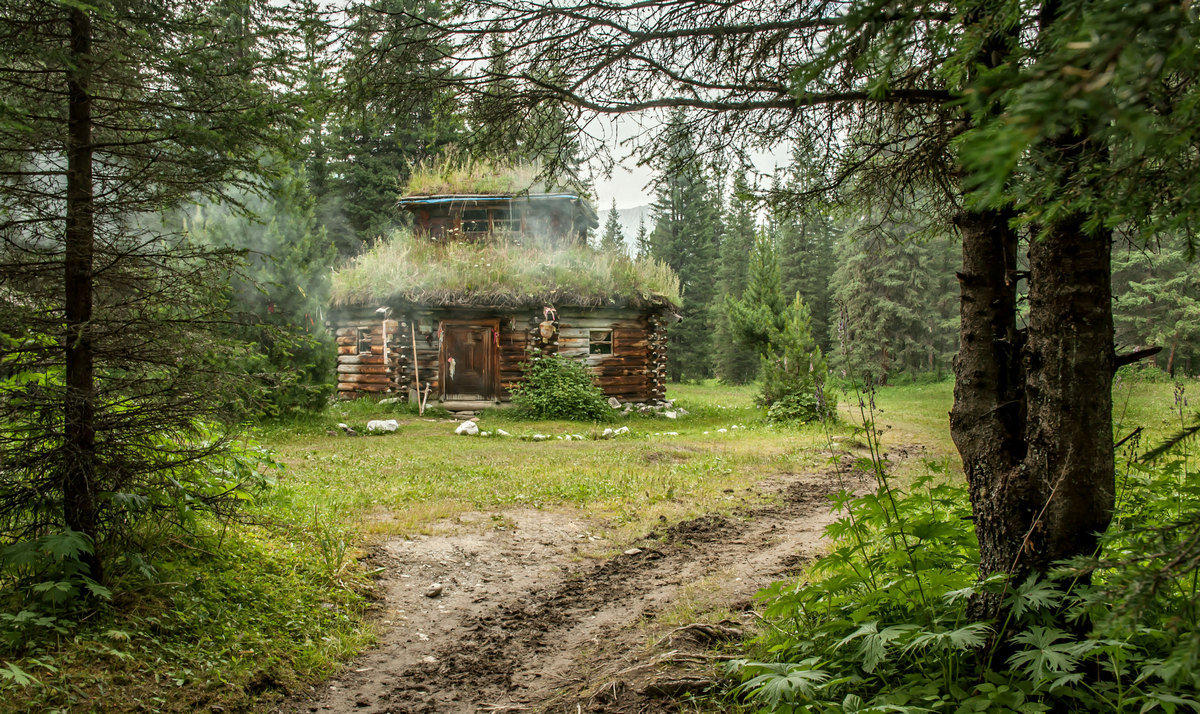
x=634, y=371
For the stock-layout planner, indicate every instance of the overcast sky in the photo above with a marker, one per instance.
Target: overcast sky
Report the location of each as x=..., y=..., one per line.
x=630, y=183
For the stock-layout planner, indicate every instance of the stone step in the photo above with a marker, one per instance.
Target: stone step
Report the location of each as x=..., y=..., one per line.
x=469, y=406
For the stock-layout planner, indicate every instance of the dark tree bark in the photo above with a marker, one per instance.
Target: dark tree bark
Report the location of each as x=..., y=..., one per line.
x=987, y=421
x=1032, y=414
x=79, y=497
x=1069, y=360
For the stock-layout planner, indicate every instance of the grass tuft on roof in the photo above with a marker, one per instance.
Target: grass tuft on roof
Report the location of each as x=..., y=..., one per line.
x=454, y=174
x=500, y=273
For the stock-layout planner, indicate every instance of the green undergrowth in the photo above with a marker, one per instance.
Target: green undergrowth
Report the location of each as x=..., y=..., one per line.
x=880, y=623
x=233, y=614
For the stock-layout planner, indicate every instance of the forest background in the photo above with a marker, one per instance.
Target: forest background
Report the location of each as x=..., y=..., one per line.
x=221, y=159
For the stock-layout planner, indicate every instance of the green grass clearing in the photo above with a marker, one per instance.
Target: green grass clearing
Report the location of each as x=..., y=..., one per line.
x=278, y=601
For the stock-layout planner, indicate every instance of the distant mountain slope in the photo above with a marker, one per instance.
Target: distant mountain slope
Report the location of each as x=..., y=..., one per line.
x=628, y=218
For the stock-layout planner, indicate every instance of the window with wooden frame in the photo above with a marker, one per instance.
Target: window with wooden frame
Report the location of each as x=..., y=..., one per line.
x=475, y=220
x=362, y=337
x=600, y=342
x=508, y=220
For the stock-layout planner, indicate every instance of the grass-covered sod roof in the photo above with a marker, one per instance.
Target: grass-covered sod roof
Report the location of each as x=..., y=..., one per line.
x=453, y=175
x=502, y=274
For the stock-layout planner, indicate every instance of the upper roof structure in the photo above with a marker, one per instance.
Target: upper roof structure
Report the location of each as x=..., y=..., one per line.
x=561, y=217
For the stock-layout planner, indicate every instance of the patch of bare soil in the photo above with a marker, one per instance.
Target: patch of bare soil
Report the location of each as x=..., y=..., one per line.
x=523, y=623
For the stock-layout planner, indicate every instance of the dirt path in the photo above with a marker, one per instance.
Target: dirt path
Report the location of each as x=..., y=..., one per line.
x=524, y=623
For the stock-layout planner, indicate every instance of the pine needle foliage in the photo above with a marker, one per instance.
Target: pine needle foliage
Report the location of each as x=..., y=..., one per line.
x=501, y=273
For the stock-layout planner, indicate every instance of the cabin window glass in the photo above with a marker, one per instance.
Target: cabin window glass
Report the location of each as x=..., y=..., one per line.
x=475, y=220
x=363, y=339
x=600, y=342
x=504, y=219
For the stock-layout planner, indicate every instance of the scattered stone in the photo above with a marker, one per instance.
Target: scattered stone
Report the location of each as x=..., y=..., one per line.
x=633, y=551
x=386, y=426
x=682, y=412
x=567, y=438
x=434, y=590
x=467, y=428
x=390, y=400
x=333, y=432
x=722, y=430
x=671, y=415
x=614, y=402
x=670, y=433
x=622, y=430
x=539, y=437
x=501, y=432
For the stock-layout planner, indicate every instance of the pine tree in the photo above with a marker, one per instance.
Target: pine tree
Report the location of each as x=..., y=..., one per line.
x=806, y=257
x=685, y=237
x=734, y=362
x=111, y=114
x=1156, y=294
x=279, y=296
x=641, y=243
x=376, y=133
x=898, y=303
x=791, y=364
x=612, y=240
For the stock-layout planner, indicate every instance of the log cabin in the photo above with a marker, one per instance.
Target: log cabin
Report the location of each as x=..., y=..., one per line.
x=452, y=309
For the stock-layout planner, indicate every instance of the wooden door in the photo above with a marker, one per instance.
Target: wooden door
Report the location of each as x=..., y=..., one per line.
x=468, y=362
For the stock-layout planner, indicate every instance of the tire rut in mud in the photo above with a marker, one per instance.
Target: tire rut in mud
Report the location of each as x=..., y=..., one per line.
x=548, y=646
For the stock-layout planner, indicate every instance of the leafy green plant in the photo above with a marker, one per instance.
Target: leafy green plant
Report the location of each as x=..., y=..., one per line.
x=880, y=623
x=555, y=387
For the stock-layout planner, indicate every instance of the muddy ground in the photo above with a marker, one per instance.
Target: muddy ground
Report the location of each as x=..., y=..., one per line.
x=528, y=620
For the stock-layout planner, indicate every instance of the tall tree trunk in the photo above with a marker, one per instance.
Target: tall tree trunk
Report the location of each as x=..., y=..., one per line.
x=988, y=417
x=1069, y=460
x=1171, y=356
x=79, y=469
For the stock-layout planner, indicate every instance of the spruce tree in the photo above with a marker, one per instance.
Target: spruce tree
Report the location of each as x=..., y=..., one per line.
x=278, y=297
x=641, y=243
x=112, y=113
x=612, y=240
x=791, y=364
x=375, y=133
x=898, y=303
x=685, y=236
x=806, y=260
x=1156, y=295
x=734, y=362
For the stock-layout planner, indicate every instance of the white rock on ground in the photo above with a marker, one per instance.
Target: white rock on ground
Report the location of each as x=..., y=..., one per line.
x=501, y=432
x=670, y=415
x=467, y=428
x=384, y=425
x=622, y=430
x=614, y=402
